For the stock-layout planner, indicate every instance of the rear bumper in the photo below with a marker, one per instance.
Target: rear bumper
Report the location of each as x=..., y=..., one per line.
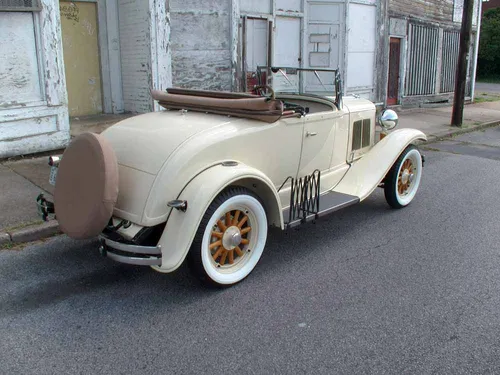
x=129, y=253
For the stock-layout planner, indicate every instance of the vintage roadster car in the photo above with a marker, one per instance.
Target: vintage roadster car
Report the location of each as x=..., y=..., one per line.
x=205, y=178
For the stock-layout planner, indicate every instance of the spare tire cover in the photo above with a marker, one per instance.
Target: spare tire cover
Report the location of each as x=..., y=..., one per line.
x=86, y=186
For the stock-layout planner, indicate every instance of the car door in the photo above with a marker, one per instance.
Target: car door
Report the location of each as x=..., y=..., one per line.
x=318, y=147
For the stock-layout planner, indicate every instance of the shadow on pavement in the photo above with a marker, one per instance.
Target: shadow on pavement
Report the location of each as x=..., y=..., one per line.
x=66, y=270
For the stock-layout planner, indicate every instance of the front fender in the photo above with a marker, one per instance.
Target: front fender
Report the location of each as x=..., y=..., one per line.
x=181, y=226
x=368, y=172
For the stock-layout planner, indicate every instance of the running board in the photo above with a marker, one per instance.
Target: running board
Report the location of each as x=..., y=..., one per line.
x=328, y=203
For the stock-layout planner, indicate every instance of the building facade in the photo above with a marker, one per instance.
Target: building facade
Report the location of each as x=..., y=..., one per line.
x=219, y=44
x=33, y=99
x=421, y=42
x=65, y=59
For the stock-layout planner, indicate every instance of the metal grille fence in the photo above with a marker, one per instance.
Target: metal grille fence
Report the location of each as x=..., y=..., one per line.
x=422, y=60
x=449, y=60
x=20, y=5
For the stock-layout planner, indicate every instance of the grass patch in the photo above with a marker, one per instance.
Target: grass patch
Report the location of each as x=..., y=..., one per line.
x=23, y=225
x=7, y=246
x=486, y=98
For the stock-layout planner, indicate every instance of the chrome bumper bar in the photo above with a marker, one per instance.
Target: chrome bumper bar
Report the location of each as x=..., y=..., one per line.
x=130, y=254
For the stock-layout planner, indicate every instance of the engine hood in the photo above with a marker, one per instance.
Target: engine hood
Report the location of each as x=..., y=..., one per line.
x=145, y=142
x=354, y=104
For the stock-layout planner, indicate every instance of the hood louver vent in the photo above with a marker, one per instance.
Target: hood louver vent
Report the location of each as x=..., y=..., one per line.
x=361, y=134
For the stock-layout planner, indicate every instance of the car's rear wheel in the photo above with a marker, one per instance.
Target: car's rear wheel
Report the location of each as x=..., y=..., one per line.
x=230, y=239
x=402, y=181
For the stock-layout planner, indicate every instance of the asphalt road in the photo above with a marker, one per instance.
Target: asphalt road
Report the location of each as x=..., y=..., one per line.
x=488, y=87
x=368, y=290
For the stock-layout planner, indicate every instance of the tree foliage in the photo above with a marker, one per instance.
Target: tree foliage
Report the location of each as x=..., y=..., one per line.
x=489, y=44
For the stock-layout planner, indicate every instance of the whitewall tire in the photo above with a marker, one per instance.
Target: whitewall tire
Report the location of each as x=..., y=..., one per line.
x=402, y=181
x=230, y=239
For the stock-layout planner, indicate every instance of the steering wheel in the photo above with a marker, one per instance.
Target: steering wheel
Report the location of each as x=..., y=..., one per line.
x=268, y=88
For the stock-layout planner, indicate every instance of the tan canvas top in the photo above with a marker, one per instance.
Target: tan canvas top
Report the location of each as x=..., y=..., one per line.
x=225, y=103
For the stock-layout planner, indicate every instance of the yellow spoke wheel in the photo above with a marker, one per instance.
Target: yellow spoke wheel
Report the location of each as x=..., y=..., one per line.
x=230, y=239
x=402, y=181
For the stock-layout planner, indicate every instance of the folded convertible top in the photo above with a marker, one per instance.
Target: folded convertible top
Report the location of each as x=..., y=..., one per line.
x=220, y=102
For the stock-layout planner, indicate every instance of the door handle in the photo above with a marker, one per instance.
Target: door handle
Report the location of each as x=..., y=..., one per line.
x=311, y=134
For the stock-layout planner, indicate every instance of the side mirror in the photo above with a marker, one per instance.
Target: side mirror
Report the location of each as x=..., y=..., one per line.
x=388, y=119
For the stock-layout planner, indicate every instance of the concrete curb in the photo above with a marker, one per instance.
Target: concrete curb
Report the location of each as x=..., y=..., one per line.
x=432, y=138
x=30, y=234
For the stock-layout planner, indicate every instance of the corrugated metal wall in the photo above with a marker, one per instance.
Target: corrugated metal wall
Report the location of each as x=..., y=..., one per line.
x=451, y=41
x=422, y=60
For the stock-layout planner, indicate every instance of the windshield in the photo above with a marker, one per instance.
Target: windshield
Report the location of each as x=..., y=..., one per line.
x=325, y=82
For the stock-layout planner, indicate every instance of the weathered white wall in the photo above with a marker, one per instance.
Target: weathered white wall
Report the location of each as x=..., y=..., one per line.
x=201, y=44
x=360, y=66
x=33, y=101
x=161, y=58
x=109, y=43
x=19, y=70
x=134, y=25
x=257, y=6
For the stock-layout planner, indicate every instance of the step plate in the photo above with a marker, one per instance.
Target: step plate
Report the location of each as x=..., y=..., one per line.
x=328, y=203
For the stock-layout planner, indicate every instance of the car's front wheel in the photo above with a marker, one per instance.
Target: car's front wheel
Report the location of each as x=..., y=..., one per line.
x=230, y=239
x=402, y=181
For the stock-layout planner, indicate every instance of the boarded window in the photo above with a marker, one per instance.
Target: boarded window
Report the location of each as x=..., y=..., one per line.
x=20, y=5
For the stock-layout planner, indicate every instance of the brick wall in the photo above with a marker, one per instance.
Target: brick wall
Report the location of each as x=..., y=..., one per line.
x=200, y=41
x=490, y=4
x=135, y=55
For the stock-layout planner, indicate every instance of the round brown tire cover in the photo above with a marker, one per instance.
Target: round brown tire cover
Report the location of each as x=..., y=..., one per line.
x=86, y=186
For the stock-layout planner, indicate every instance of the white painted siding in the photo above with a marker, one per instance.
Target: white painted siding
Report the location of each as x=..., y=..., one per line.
x=135, y=55
x=201, y=44
x=361, y=50
x=256, y=6
x=325, y=43
x=289, y=5
x=19, y=74
x=287, y=42
x=33, y=101
x=256, y=44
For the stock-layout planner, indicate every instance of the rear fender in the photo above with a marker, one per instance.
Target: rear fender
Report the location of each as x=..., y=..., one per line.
x=181, y=226
x=368, y=172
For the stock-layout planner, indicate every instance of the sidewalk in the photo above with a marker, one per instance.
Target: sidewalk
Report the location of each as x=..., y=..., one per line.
x=435, y=122
x=22, y=180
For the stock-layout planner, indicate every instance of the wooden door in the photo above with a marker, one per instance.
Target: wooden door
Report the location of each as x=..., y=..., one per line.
x=324, y=45
x=394, y=64
x=255, y=50
x=81, y=57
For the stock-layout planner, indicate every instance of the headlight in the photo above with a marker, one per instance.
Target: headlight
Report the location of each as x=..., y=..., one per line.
x=388, y=119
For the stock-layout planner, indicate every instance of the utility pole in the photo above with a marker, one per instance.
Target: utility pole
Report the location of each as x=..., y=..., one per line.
x=463, y=53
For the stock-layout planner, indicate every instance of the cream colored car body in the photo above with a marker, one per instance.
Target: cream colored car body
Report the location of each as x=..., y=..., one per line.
x=169, y=155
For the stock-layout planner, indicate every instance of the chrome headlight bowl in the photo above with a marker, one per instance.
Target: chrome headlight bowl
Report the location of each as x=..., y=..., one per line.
x=388, y=119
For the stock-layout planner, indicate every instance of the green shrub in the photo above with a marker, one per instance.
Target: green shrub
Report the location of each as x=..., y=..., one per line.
x=488, y=63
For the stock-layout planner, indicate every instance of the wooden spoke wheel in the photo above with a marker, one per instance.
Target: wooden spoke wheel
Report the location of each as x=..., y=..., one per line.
x=230, y=239
x=402, y=181
x=406, y=176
